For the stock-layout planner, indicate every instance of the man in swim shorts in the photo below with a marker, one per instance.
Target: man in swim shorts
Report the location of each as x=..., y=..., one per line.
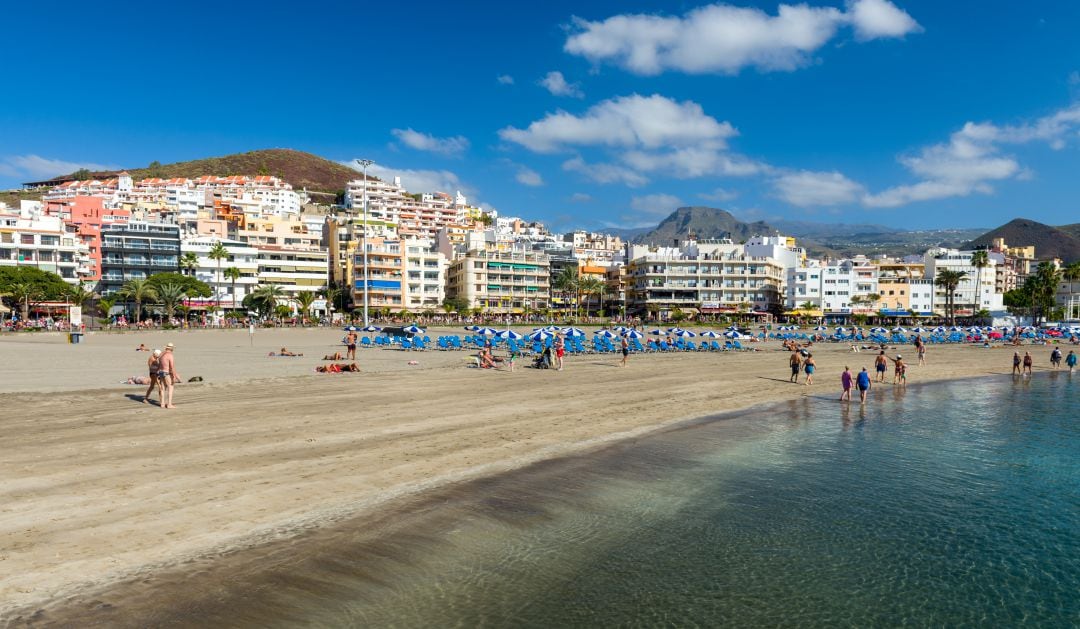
x=796, y=363
x=880, y=364
x=167, y=376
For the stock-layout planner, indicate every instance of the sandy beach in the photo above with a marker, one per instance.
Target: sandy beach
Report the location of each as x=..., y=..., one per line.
x=99, y=487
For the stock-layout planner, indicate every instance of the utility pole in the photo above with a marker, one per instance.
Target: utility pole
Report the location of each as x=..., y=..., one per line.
x=364, y=163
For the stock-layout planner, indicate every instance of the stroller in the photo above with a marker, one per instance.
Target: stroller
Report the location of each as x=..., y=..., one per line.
x=543, y=361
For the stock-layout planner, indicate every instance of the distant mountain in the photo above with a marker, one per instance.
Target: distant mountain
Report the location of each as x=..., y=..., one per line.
x=1072, y=230
x=807, y=229
x=302, y=170
x=704, y=223
x=1049, y=241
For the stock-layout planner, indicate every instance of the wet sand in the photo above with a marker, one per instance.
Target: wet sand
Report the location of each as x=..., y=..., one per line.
x=100, y=488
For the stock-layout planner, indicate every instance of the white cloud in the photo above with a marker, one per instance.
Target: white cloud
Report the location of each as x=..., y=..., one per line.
x=555, y=83
x=418, y=180
x=605, y=173
x=626, y=121
x=580, y=197
x=725, y=39
x=529, y=177
x=505, y=79
x=37, y=167
x=719, y=195
x=880, y=18
x=659, y=204
x=425, y=142
x=807, y=188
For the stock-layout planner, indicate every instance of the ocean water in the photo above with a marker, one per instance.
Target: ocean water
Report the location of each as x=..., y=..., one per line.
x=953, y=504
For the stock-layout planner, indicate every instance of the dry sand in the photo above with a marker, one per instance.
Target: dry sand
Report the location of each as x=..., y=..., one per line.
x=98, y=487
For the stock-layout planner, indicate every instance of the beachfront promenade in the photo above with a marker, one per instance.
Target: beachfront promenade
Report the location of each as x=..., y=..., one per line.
x=100, y=487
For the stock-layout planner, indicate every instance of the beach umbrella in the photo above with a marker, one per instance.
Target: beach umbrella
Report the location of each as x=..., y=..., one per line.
x=820, y=328
x=956, y=328
x=608, y=334
x=788, y=328
x=412, y=329
x=899, y=330
x=620, y=328
x=919, y=330
x=573, y=332
x=658, y=332
x=539, y=335
x=486, y=331
x=732, y=334
x=710, y=335
x=878, y=331
x=371, y=328
x=510, y=335
x=351, y=328
x=684, y=334
x=633, y=334
x=734, y=327
x=472, y=328
x=939, y=330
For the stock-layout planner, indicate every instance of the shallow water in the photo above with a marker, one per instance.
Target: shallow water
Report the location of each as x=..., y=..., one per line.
x=952, y=505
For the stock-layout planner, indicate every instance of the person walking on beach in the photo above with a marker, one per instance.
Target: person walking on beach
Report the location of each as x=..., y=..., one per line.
x=1070, y=361
x=808, y=366
x=152, y=366
x=880, y=364
x=1016, y=364
x=167, y=376
x=845, y=383
x=1055, y=358
x=920, y=347
x=560, y=351
x=900, y=370
x=350, y=342
x=796, y=364
x=624, y=345
x=1028, y=362
x=863, y=382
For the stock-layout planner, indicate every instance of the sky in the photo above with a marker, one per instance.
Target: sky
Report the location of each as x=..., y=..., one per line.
x=918, y=114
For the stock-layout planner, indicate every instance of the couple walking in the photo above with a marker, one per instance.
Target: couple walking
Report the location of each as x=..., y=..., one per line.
x=162, y=367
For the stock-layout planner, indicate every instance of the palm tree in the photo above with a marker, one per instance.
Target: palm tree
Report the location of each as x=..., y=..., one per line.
x=105, y=305
x=170, y=295
x=233, y=274
x=218, y=253
x=281, y=312
x=1044, y=285
x=949, y=279
x=304, y=300
x=588, y=286
x=79, y=295
x=265, y=298
x=980, y=260
x=23, y=293
x=189, y=262
x=138, y=291
x=566, y=282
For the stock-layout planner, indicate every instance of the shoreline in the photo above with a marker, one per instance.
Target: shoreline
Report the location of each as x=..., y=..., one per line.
x=414, y=478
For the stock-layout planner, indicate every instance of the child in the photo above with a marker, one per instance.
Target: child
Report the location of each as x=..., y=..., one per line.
x=513, y=357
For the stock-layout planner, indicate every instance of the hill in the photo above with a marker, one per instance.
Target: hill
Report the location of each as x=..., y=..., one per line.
x=704, y=223
x=302, y=170
x=1049, y=241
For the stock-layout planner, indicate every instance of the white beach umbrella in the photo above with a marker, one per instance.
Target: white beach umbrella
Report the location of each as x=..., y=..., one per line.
x=899, y=329
x=633, y=334
x=608, y=334
x=658, y=332
x=539, y=335
x=509, y=335
x=732, y=334
x=620, y=328
x=820, y=328
x=371, y=328
x=472, y=328
x=919, y=330
x=486, y=331
x=351, y=328
x=710, y=335
x=412, y=329
x=878, y=331
x=573, y=332
x=684, y=334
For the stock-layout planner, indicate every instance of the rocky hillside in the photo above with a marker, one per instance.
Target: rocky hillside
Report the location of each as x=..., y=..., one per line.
x=1049, y=241
x=703, y=223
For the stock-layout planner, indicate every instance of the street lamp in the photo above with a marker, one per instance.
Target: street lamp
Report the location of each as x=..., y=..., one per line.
x=364, y=163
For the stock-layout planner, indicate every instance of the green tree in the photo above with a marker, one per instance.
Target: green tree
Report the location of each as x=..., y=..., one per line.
x=1071, y=273
x=105, y=305
x=304, y=300
x=1042, y=286
x=565, y=283
x=282, y=312
x=79, y=295
x=218, y=253
x=23, y=294
x=233, y=274
x=138, y=291
x=154, y=169
x=264, y=299
x=192, y=287
x=26, y=285
x=82, y=174
x=980, y=260
x=188, y=263
x=455, y=304
x=949, y=280
x=170, y=296
x=587, y=287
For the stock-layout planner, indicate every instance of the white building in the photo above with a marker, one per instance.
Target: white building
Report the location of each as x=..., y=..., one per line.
x=835, y=290
x=30, y=238
x=425, y=276
x=242, y=256
x=968, y=298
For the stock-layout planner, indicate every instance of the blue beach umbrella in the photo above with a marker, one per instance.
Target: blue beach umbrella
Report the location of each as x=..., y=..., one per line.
x=633, y=334
x=371, y=328
x=472, y=328
x=608, y=334
x=710, y=335
x=684, y=334
x=539, y=335
x=412, y=329
x=620, y=328
x=878, y=331
x=573, y=332
x=486, y=331
x=351, y=328
x=509, y=335
x=819, y=328
x=919, y=330
x=732, y=334
x=899, y=329
x=658, y=332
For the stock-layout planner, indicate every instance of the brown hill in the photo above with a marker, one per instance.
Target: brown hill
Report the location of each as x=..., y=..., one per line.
x=703, y=223
x=1049, y=241
x=302, y=170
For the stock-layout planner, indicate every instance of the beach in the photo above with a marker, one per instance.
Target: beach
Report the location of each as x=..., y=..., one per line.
x=100, y=488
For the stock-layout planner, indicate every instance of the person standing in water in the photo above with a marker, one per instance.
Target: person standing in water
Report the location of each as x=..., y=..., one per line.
x=880, y=364
x=1070, y=361
x=845, y=383
x=863, y=382
x=1016, y=364
x=808, y=366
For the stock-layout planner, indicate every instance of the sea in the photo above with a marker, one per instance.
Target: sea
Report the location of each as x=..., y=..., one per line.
x=950, y=505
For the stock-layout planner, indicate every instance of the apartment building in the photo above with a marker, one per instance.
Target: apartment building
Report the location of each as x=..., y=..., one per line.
x=417, y=215
x=84, y=217
x=135, y=251
x=501, y=281
x=30, y=238
x=969, y=297
x=707, y=276
x=425, y=276
x=226, y=292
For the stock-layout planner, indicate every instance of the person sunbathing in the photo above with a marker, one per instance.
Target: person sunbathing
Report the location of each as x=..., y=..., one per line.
x=338, y=368
x=142, y=348
x=285, y=352
x=138, y=380
x=334, y=356
x=486, y=360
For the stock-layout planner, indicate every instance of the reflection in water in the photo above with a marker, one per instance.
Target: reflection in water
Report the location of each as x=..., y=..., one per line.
x=935, y=506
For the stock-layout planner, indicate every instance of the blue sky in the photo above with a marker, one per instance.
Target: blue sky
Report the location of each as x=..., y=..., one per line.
x=909, y=113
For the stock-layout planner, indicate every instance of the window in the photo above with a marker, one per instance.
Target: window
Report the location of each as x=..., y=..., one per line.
x=26, y=239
